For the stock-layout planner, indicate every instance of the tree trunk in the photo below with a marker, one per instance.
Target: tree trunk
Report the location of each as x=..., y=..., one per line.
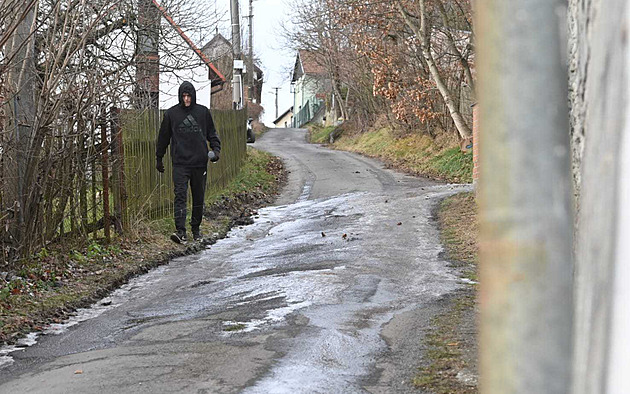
x=422, y=31
x=451, y=42
x=20, y=55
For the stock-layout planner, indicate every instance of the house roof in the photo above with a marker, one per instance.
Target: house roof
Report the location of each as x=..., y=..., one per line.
x=214, y=51
x=213, y=73
x=283, y=115
x=213, y=47
x=310, y=63
x=306, y=63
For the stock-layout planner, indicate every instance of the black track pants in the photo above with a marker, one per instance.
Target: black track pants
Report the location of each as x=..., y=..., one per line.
x=197, y=179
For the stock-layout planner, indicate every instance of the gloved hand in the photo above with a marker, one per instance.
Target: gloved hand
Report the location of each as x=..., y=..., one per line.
x=214, y=156
x=159, y=165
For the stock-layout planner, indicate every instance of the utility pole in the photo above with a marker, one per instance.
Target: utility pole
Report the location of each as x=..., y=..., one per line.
x=526, y=221
x=250, y=63
x=237, y=78
x=276, y=89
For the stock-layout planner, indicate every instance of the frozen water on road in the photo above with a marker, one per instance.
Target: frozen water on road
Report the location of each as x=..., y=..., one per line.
x=299, y=301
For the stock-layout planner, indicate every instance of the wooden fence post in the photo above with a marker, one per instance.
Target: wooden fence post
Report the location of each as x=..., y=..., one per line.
x=121, y=190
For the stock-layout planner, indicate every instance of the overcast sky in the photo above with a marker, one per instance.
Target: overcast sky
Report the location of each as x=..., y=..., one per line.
x=276, y=61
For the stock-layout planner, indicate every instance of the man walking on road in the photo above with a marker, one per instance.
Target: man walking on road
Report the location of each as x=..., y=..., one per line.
x=188, y=127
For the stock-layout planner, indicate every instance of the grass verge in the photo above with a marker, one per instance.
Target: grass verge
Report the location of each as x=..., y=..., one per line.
x=255, y=175
x=418, y=154
x=451, y=357
x=74, y=273
x=320, y=135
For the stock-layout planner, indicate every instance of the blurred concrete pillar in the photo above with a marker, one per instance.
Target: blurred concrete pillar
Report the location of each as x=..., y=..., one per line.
x=525, y=195
x=476, y=140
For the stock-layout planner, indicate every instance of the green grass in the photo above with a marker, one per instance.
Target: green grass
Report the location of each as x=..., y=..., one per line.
x=446, y=343
x=321, y=135
x=459, y=228
x=454, y=163
x=419, y=154
x=444, y=352
x=253, y=175
x=234, y=327
x=164, y=225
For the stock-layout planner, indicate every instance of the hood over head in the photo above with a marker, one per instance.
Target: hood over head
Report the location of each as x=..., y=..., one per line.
x=187, y=87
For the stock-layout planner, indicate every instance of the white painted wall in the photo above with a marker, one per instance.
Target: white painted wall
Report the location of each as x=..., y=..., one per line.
x=179, y=63
x=602, y=273
x=170, y=81
x=618, y=380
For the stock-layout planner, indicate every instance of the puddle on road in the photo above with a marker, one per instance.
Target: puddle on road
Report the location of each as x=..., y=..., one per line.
x=267, y=245
x=273, y=316
x=267, y=218
x=306, y=192
x=21, y=344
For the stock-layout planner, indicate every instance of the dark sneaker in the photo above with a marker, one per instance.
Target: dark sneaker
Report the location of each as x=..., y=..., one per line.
x=178, y=237
x=197, y=236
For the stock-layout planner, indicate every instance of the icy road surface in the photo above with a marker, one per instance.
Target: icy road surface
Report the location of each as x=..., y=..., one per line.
x=329, y=292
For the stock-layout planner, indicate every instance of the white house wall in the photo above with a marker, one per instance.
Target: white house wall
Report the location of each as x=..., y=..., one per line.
x=179, y=63
x=170, y=81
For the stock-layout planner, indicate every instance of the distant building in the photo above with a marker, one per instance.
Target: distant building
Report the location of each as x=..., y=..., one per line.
x=310, y=85
x=219, y=51
x=285, y=120
x=163, y=64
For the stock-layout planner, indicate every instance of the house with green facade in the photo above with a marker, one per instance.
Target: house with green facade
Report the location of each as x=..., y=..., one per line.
x=309, y=84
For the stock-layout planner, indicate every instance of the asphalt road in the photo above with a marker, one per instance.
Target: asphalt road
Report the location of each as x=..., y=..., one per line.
x=330, y=291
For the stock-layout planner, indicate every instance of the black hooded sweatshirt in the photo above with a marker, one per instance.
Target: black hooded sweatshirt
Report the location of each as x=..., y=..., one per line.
x=187, y=129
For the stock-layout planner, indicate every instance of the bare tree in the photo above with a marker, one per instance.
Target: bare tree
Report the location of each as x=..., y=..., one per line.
x=315, y=31
x=74, y=60
x=381, y=52
x=423, y=31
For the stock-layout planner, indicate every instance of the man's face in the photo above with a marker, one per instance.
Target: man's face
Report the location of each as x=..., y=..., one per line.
x=187, y=99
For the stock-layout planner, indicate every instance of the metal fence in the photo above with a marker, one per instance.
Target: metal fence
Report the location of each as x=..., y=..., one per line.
x=305, y=114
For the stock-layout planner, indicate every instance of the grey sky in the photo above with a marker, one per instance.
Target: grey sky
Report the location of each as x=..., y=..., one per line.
x=276, y=61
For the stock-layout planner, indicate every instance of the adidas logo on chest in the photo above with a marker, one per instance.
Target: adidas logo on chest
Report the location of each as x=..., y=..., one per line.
x=189, y=125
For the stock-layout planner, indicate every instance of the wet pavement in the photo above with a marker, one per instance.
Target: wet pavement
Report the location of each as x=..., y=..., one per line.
x=330, y=292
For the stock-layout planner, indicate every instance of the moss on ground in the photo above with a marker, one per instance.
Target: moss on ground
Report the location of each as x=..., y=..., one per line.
x=452, y=342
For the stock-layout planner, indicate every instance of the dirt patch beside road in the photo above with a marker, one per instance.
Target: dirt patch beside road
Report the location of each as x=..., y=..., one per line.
x=450, y=365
